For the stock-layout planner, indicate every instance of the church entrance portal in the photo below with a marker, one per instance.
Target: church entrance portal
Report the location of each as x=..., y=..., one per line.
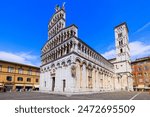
x=64, y=85
x=53, y=83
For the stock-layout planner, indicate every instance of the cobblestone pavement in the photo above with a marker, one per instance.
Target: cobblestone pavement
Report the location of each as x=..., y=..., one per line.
x=96, y=96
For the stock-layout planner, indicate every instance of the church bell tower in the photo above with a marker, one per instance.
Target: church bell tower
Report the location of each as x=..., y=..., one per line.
x=122, y=64
x=122, y=48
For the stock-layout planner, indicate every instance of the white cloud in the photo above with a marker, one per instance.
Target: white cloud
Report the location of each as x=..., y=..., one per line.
x=137, y=50
x=142, y=28
x=110, y=54
x=22, y=57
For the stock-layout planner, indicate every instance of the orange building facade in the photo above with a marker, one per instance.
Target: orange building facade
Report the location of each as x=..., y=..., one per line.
x=18, y=77
x=141, y=74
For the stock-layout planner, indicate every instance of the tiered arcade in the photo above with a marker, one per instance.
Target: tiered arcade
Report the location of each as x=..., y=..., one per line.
x=69, y=64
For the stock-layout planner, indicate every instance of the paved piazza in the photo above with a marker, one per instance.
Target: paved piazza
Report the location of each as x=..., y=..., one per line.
x=100, y=96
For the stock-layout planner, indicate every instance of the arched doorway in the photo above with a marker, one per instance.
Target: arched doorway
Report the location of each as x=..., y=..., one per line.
x=53, y=83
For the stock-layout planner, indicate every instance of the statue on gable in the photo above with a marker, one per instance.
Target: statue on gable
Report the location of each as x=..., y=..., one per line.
x=63, y=6
x=57, y=8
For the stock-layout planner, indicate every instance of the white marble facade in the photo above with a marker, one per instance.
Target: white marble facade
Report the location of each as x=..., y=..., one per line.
x=70, y=65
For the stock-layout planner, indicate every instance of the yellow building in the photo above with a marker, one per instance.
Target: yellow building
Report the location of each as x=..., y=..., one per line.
x=18, y=77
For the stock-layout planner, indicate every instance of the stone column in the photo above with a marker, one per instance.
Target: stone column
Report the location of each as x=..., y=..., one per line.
x=93, y=78
x=65, y=49
x=102, y=83
x=55, y=54
x=107, y=82
x=80, y=76
x=101, y=80
x=84, y=76
x=72, y=48
x=87, y=73
x=112, y=79
x=78, y=72
x=59, y=53
x=97, y=80
x=75, y=47
x=112, y=83
x=69, y=46
x=104, y=77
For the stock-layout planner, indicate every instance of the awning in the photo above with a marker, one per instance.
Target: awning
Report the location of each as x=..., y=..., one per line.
x=9, y=85
x=28, y=85
x=147, y=87
x=140, y=86
x=1, y=84
x=19, y=84
x=36, y=86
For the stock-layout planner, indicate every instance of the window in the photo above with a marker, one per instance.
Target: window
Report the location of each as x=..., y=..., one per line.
x=146, y=68
x=37, y=80
x=20, y=79
x=140, y=80
x=139, y=69
x=147, y=80
x=30, y=72
x=0, y=67
x=139, y=63
x=121, y=51
x=116, y=67
x=10, y=69
x=134, y=75
x=119, y=35
x=139, y=74
x=37, y=73
x=45, y=83
x=28, y=79
x=145, y=74
x=20, y=71
x=120, y=42
x=9, y=78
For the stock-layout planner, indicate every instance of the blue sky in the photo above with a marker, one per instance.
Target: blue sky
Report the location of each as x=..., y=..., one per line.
x=23, y=26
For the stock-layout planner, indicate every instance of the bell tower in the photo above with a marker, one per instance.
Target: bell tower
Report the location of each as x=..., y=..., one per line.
x=122, y=64
x=122, y=48
x=122, y=44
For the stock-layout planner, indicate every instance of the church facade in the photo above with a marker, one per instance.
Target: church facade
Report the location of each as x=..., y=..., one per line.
x=70, y=65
